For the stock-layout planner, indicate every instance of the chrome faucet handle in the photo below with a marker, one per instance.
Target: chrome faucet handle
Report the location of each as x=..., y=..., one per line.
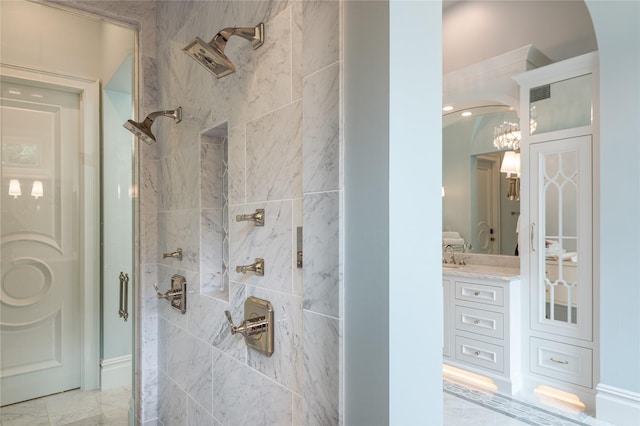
x=248, y=327
x=176, y=295
x=448, y=249
x=160, y=295
x=234, y=329
x=462, y=262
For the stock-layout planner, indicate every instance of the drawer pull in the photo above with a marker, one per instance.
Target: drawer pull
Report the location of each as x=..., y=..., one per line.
x=476, y=353
x=476, y=322
x=476, y=293
x=558, y=361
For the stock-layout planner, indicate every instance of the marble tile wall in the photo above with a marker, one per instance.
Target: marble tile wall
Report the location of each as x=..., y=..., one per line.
x=281, y=112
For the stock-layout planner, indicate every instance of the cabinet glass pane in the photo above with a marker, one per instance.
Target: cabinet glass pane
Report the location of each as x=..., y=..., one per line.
x=561, y=105
x=560, y=188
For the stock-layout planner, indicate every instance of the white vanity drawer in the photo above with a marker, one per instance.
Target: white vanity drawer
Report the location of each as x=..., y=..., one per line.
x=480, y=353
x=480, y=293
x=562, y=362
x=481, y=322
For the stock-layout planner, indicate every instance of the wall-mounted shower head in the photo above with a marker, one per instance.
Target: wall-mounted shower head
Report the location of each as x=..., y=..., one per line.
x=143, y=129
x=211, y=55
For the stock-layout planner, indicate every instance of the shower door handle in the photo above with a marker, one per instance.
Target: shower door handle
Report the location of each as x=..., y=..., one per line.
x=123, y=311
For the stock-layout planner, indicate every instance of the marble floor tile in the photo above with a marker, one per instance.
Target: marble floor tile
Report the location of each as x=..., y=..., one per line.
x=75, y=407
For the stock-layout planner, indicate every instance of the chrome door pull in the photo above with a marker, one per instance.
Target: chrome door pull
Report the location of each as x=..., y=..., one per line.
x=531, y=239
x=123, y=311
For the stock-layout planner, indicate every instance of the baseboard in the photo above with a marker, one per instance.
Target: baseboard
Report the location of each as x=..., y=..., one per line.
x=115, y=372
x=617, y=406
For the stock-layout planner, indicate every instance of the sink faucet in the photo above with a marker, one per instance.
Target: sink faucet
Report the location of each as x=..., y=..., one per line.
x=448, y=249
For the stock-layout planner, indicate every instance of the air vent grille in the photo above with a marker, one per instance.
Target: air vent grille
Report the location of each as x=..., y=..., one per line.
x=539, y=93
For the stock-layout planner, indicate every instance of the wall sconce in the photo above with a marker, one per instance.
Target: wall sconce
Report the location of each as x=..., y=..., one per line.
x=36, y=190
x=14, y=188
x=511, y=166
x=443, y=192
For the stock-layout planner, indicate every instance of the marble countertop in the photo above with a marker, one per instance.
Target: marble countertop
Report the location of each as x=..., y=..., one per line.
x=506, y=273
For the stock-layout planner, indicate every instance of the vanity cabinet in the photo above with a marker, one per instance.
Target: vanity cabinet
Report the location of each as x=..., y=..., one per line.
x=558, y=187
x=482, y=327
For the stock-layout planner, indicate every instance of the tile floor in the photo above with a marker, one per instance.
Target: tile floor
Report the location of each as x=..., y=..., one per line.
x=462, y=406
x=465, y=406
x=75, y=407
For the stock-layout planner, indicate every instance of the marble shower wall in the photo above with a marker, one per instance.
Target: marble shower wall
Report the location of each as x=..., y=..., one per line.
x=281, y=112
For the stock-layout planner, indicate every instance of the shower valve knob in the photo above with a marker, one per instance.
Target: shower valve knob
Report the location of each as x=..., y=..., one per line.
x=248, y=327
x=257, y=326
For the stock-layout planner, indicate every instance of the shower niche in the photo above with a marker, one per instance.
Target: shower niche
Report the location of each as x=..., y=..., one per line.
x=214, y=213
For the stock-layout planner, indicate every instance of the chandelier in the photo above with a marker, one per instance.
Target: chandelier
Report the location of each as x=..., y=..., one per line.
x=507, y=136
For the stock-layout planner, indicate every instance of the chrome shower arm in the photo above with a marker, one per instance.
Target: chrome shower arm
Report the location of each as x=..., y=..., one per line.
x=176, y=114
x=253, y=34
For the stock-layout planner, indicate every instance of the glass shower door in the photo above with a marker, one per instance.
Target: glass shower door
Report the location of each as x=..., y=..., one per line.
x=40, y=332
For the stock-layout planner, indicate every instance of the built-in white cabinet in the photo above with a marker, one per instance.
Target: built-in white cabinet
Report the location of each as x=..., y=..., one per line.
x=558, y=114
x=482, y=327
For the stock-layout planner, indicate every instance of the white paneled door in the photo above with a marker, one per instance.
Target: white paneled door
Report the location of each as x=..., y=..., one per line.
x=41, y=234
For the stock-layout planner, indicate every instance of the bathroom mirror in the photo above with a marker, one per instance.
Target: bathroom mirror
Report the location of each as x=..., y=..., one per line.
x=475, y=202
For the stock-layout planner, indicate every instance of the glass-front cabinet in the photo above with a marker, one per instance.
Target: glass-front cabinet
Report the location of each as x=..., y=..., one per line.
x=561, y=267
x=559, y=192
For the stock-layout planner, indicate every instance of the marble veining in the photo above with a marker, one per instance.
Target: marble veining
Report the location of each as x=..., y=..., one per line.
x=271, y=242
x=274, y=161
x=321, y=34
x=321, y=126
x=239, y=390
x=173, y=409
x=237, y=165
x=208, y=322
x=285, y=364
x=211, y=174
x=211, y=250
x=321, y=337
x=271, y=83
x=189, y=365
x=321, y=247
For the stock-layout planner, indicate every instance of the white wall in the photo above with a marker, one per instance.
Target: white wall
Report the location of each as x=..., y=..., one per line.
x=618, y=34
x=415, y=177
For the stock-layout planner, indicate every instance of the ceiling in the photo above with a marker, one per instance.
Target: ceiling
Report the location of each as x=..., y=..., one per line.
x=475, y=30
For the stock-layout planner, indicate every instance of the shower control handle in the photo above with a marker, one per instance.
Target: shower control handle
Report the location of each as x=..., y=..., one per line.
x=248, y=327
x=257, y=217
x=176, y=295
x=257, y=326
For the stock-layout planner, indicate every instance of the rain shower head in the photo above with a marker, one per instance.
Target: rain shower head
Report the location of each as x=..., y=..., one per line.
x=143, y=129
x=211, y=55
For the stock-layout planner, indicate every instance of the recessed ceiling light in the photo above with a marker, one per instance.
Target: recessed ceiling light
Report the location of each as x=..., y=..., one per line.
x=466, y=114
x=447, y=108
